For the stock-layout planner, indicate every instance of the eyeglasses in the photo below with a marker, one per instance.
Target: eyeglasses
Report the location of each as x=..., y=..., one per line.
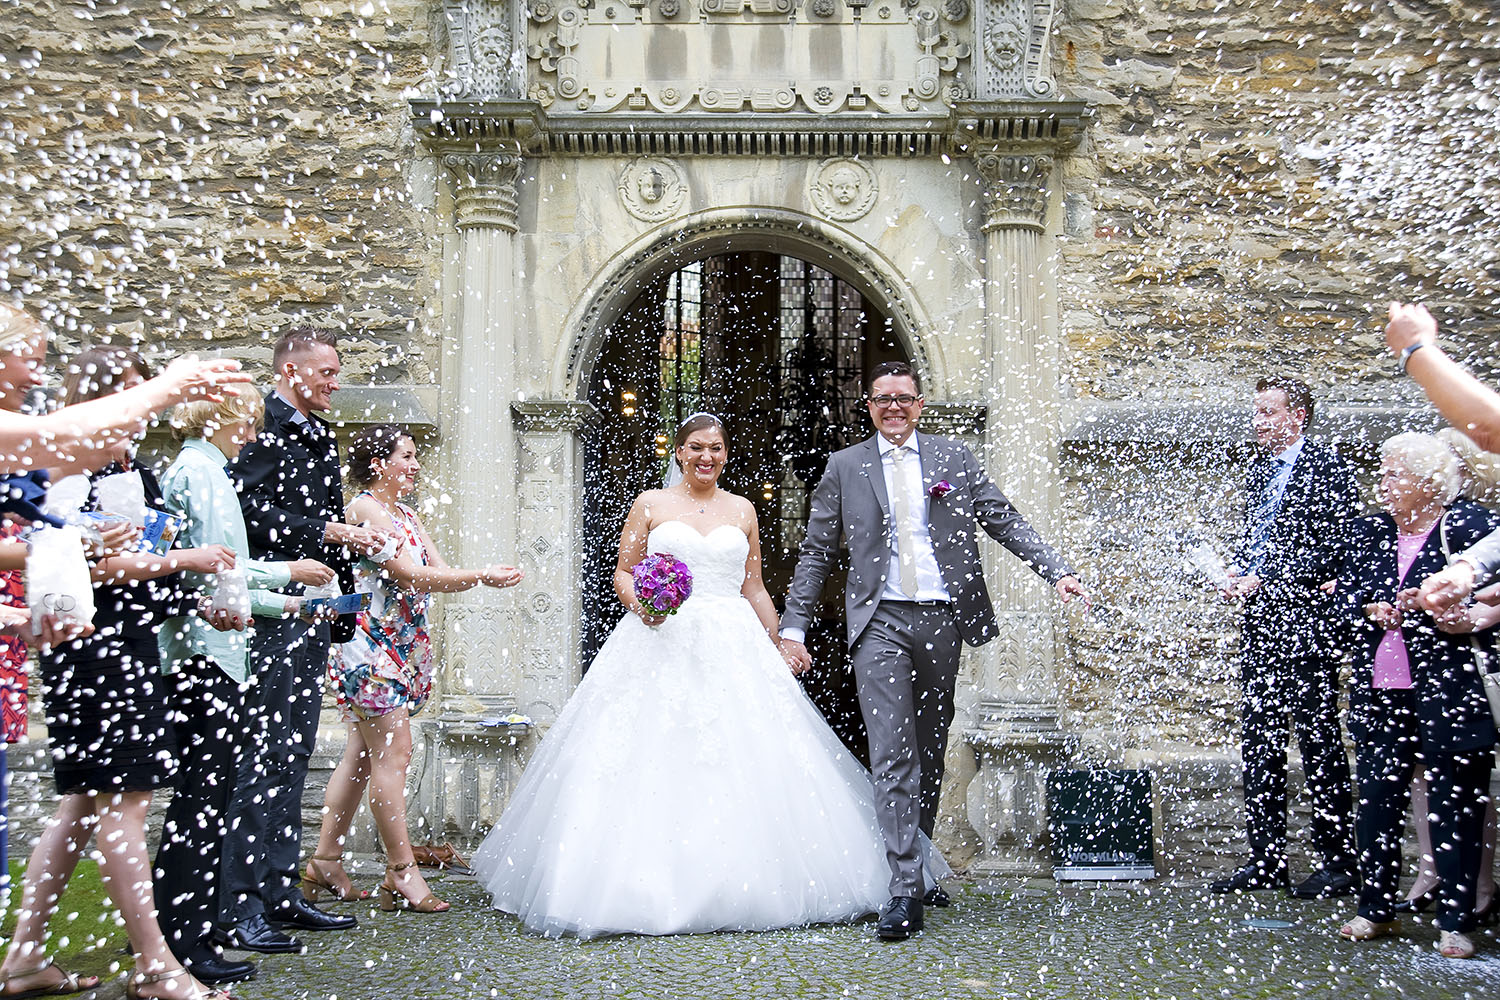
x=881, y=402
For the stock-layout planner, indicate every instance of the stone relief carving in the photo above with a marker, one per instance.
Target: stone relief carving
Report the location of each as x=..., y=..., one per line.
x=603, y=57
x=1014, y=37
x=481, y=49
x=842, y=189
x=652, y=188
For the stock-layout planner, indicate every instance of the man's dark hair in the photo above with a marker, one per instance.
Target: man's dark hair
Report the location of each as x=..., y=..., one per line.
x=300, y=338
x=1298, y=395
x=893, y=368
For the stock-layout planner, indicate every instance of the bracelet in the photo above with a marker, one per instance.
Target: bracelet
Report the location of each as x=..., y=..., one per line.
x=1407, y=352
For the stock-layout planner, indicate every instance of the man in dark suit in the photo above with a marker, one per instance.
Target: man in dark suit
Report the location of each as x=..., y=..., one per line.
x=293, y=501
x=907, y=506
x=1299, y=496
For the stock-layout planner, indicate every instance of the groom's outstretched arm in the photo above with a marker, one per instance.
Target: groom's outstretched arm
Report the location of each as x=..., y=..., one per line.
x=820, y=547
x=1002, y=522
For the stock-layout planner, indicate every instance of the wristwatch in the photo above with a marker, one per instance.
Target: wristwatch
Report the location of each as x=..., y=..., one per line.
x=1408, y=351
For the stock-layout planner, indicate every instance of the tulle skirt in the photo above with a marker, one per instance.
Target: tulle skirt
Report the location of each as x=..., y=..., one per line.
x=688, y=786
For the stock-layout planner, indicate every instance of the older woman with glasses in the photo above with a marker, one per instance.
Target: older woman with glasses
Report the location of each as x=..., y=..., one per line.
x=1416, y=700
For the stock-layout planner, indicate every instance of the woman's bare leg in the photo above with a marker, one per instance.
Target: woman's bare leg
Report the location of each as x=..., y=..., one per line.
x=52, y=863
x=1426, y=879
x=388, y=738
x=346, y=787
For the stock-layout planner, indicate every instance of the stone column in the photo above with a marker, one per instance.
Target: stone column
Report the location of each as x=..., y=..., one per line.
x=481, y=454
x=1016, y=729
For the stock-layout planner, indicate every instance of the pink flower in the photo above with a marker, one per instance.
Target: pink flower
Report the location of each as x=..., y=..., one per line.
x=940, y=489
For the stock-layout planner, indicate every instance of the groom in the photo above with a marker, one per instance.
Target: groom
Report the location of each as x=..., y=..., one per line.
x=907, y=505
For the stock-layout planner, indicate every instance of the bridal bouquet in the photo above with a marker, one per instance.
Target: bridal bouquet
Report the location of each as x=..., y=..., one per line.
x=662, y=582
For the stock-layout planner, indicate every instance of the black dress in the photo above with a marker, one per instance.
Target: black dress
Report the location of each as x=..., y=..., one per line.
x=106, y=699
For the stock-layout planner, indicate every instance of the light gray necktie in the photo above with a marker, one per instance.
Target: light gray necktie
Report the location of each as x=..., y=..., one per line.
x=899, y=504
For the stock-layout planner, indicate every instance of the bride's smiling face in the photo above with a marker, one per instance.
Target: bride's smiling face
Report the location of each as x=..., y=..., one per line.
x=702, y=456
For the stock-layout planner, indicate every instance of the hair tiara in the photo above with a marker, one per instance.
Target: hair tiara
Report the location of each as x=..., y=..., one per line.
x=701, y=413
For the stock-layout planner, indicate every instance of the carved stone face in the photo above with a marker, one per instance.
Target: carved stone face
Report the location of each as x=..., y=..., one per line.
x=844, y=184
x=653, y=186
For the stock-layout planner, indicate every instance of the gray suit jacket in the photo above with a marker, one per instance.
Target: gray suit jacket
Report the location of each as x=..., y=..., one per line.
x=850, y=507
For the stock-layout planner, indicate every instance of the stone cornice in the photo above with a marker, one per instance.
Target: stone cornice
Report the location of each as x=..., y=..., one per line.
x=970, y=127
x=554, y=414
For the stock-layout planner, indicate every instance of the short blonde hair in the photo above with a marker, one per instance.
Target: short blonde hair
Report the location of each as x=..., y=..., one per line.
x=1425, y=457
x=17, y=326
x=1479, y=469
x=203, y=419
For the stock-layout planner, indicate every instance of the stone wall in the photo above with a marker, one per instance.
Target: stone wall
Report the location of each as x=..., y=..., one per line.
x=203, y=174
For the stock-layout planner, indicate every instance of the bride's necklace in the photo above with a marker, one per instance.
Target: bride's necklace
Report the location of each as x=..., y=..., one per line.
x=702, y=505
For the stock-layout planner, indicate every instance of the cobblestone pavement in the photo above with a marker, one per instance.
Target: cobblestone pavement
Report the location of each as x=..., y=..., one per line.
x=1000, y=939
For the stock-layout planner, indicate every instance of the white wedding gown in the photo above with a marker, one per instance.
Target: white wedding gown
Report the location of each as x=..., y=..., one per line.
x=689, y=785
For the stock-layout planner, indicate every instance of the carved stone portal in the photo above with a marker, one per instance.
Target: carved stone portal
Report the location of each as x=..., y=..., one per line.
x=842, y=189
x=653, y=188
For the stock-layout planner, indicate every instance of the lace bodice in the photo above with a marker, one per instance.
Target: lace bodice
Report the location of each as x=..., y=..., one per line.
x=717, y=558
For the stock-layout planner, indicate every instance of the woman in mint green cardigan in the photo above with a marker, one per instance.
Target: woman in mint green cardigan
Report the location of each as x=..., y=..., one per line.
x=211, y=659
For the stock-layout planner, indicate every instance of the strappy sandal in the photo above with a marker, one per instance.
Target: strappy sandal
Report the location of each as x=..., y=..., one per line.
x=314, y=887
x=71, y=983
x=1455, y=944
x=139, y=979
x=392, y=899
x=1364, y=929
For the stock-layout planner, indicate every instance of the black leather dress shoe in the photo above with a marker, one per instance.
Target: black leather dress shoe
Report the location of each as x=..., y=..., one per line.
x=1419, y=904
x=1325, y=884
x=256, y=934
x=936, y=897
x=216, y=969
x=304, y=916
x=1250, y=878
x=901, y=918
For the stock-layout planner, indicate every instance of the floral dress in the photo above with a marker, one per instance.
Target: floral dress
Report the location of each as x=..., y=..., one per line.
x=388, y=663
x=12, y=653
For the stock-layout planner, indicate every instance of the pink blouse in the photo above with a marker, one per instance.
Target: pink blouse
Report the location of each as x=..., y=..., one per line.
x=1392, y=667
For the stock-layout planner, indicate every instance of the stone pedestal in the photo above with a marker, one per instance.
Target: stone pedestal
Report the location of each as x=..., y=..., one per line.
x=1007, y=802
x=468, y=771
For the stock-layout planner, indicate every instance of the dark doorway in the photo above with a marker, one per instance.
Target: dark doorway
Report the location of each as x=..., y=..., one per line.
x=775, y=346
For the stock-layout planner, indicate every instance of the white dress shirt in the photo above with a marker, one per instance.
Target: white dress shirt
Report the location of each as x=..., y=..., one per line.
x=930, y=586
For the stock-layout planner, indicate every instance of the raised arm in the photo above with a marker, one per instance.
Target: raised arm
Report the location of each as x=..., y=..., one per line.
x=431, y=578
x=1462, y=399
x=81, y=436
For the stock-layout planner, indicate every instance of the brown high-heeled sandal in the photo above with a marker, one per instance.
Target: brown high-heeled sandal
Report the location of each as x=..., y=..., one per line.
x=139, y=979
x=392, y=899
x=313, y=887
x=71, y=983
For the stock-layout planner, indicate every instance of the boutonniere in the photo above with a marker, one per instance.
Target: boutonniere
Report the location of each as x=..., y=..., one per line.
x=940, y=489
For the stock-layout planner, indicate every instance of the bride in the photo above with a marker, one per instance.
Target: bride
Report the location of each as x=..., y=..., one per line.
x=689, y=785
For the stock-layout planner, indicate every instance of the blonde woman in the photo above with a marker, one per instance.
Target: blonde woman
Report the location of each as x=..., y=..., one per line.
x=211, y=660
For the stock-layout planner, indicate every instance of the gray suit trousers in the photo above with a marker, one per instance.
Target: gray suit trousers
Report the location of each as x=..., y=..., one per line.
x=905, y=664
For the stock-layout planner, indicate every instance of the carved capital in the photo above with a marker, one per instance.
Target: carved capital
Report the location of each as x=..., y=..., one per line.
x=1016, y=187
x=484, y=188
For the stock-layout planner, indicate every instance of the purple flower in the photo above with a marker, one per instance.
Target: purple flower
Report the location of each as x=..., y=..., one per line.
x=940, y=489
x=662, y=581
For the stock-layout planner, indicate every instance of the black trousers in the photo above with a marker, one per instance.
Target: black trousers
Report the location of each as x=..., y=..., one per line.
x=264, y=844
x=211, y=735
x=1289, y=680
x=1458, y=793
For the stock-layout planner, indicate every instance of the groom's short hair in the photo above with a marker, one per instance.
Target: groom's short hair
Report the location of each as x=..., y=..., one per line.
x=893, y=368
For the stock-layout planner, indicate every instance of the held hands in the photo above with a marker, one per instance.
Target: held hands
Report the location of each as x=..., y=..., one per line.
x=310, y=571
x=1409, y=324
x=53, y=633
x=1447, y=588
x=1384, y=614
x=501, y=576
x=796, y=655
x=1460, y=619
